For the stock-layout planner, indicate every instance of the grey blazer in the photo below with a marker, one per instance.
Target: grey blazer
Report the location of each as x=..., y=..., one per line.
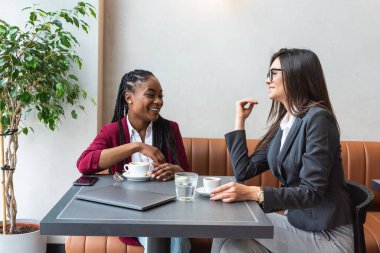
x=309, y=168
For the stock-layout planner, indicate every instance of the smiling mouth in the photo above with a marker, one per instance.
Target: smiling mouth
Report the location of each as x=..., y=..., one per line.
x=154, y=109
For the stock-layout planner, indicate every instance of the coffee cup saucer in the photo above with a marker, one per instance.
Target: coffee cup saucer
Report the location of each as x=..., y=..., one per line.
x=129, y=177
x=201, y=191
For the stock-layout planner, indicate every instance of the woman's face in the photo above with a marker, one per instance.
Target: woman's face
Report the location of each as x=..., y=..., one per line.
x=276, y=85
x=145, y=102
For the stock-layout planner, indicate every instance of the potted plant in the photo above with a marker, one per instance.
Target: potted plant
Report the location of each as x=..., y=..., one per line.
x=36, y=65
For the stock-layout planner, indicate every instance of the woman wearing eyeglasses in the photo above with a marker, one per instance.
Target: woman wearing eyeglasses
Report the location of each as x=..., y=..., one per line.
x=302, y=150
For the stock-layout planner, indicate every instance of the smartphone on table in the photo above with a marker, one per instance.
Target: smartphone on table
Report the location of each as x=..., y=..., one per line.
x=86, y=180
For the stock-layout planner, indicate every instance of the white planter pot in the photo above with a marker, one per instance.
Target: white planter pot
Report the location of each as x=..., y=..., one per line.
x=22, y=243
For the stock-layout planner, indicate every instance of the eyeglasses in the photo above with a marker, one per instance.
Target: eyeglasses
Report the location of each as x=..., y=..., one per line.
x=270, y=73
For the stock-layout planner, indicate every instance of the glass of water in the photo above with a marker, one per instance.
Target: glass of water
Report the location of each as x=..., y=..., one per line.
x=185, y=184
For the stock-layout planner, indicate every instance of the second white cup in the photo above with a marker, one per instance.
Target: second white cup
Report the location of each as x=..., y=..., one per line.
x=210, y=183
x=137, y=169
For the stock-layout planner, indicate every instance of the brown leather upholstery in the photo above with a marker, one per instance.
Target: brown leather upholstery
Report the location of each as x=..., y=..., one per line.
x=99, y=244
x=361, y=162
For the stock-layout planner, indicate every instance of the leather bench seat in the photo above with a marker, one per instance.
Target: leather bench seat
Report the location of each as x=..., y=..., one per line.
x=361, y=162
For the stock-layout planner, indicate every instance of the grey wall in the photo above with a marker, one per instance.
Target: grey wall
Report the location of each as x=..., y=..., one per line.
x=210, y=53
x=207, y=54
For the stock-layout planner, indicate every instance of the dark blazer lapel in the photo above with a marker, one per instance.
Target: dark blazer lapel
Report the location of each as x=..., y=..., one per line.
x=289, y=140
x=274, y=149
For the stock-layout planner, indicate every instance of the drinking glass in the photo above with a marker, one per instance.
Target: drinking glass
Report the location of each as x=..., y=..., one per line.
x=185, y=184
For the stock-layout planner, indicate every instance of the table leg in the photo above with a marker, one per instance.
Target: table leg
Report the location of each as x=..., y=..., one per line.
x=158, y=245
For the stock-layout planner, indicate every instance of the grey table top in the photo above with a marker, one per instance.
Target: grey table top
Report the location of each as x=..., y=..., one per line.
x=201, y=218
x=376, y=184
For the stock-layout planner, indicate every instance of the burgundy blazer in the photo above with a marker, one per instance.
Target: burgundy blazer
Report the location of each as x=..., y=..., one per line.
x=108, y=137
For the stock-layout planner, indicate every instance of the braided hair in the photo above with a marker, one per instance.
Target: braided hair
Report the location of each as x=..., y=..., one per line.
x=163, y=137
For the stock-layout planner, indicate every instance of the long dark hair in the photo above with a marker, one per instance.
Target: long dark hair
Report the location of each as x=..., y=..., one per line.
x=304, y=85
x=163, y=137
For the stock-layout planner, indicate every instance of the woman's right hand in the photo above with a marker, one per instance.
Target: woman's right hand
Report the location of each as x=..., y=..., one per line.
x=152, y=152
x=232, y=192
x=242, y=113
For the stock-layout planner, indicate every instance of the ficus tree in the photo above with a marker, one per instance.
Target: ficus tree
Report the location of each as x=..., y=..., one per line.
x=37, y=63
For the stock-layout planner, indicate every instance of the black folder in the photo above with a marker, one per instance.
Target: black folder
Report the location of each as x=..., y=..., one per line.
x=128, y=198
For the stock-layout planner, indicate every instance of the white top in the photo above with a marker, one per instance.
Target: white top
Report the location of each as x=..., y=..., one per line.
x=286, y=124
x=135, y=137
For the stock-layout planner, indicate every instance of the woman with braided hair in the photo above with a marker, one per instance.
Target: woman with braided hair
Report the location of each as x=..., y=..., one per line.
x=138, y=133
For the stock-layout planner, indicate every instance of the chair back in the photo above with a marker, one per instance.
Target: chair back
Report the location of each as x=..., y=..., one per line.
x=361, y=197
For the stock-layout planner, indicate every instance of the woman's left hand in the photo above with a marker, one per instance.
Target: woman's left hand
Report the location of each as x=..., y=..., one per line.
x=165, y=171
x=233, y=192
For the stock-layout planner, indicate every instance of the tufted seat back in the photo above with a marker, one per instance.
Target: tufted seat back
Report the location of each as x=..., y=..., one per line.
x=361, y=163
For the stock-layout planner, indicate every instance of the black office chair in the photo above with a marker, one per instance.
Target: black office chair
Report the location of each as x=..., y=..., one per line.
x=361, y=197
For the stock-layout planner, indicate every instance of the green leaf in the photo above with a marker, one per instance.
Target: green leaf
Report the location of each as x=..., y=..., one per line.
x=25, y=130
x=25, y=97
x=65, y=41
x=13, y=30
x=93, y=101
x=84, y=93
x=15, y=73
x=74, y=114
x=76, y=22
x=66, y=17
x=3, y=82
x=2, y=62
x=57, y=23
x=32, y=17
x=81, y=107
x=31, y=129
x=81, y=10
x=40, y=10
x=5, y=120
x=73, y=77
x=13, y=91
x=93, y=12
x=43, y=97
x=3, y=29
x=59, y=88
x=80, y=63
x=51, y=124
x=28, y=58
x=85, y=28
x=45, y=114
x=33, y=63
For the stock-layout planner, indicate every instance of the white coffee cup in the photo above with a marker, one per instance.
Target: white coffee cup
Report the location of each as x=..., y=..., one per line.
x=210, y=183
x=137, y=169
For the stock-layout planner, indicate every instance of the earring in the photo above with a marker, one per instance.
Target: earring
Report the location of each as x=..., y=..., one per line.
x=129, y=102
